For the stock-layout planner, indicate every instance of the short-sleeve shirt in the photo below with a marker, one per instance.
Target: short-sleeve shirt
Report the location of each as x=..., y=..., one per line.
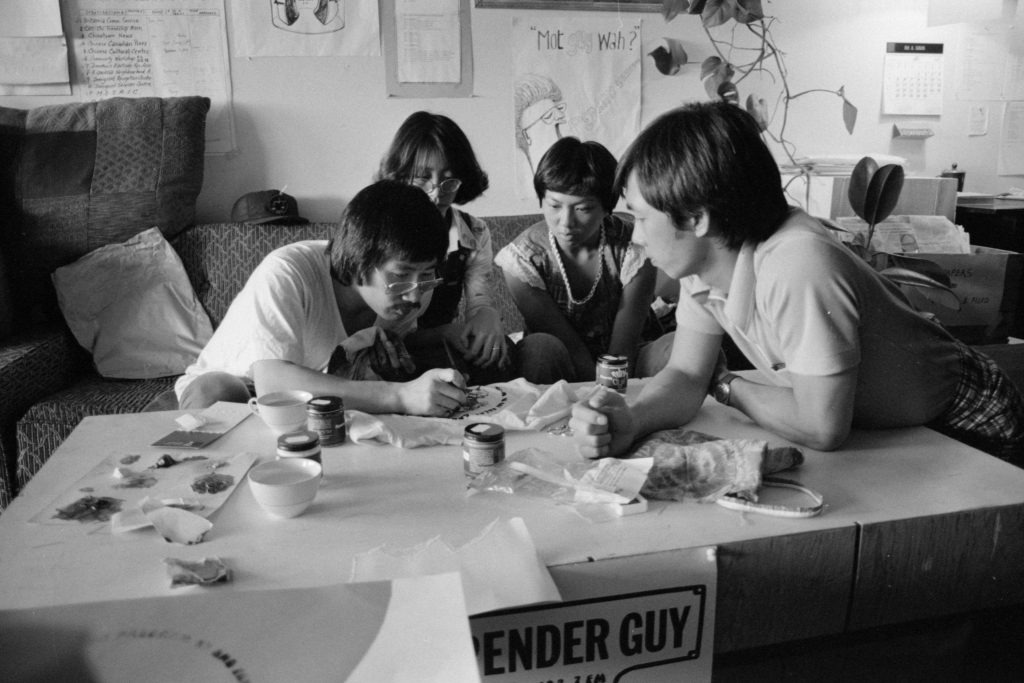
x=802, y=302
x=529, y=258
x=287, y=310
x=468, y=272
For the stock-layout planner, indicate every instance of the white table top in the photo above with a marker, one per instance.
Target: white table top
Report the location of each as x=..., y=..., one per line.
x=374, y=495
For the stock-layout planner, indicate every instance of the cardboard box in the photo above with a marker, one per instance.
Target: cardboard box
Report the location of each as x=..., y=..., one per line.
x=990, y=288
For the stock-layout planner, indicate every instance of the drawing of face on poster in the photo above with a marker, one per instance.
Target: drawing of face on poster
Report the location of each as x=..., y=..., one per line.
x=573, y=76
x=308, y=16
x=540, y=115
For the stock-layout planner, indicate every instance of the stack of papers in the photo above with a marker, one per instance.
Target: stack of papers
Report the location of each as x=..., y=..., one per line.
x=842, y=164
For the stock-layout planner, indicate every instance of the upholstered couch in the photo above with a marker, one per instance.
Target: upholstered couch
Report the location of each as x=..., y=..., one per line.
x=218, y=259
x=75, y=177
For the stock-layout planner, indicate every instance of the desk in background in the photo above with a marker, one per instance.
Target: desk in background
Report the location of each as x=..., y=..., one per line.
x=993, y=222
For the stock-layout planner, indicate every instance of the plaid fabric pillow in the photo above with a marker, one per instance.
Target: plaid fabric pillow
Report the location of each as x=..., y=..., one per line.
x=78, y=176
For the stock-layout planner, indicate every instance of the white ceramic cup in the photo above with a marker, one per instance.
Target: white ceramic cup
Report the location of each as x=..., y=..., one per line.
x=285, y=488
x=282, y=411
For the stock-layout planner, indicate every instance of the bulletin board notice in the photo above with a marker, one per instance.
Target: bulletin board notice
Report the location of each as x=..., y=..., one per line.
x=913, y=79
x=155, y=48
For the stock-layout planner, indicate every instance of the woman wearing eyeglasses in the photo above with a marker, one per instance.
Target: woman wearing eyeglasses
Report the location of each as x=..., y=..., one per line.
x=431, y=152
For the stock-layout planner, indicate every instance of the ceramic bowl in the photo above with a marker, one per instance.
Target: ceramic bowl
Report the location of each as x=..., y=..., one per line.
x=285, y=488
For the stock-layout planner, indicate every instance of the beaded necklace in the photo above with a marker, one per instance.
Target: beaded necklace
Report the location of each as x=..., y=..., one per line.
x=565, y=278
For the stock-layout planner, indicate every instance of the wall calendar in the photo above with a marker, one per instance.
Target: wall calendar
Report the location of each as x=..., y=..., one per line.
x=913, y=79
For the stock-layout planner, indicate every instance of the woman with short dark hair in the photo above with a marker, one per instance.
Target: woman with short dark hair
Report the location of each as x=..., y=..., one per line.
x=583, y=287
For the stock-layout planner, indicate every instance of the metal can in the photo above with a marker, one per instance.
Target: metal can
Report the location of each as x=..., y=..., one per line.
x=483, y=447
x=299, y=445
x=613, y=372
x=325, y=415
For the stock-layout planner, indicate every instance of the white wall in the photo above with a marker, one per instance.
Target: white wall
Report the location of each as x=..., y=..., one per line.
x=319, y=125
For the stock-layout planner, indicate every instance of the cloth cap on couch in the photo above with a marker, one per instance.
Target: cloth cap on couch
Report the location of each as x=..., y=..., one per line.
x=266, y=206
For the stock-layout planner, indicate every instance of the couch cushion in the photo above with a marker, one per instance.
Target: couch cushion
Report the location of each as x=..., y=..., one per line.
x=80, y=175
x=131, y=305
x=219, y=257
x=32, y=365
x=50, y=421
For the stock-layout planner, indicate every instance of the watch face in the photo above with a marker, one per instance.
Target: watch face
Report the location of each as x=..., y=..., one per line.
x=722, y=392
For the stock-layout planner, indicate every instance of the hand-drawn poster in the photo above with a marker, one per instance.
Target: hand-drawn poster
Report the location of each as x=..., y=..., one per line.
x=155, y=48
x=573, y=76
x=305, y=28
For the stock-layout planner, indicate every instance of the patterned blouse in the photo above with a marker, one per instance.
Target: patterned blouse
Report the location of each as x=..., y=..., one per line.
x=530, y=259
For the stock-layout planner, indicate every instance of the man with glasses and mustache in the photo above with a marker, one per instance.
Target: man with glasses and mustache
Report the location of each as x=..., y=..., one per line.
x=285, y=326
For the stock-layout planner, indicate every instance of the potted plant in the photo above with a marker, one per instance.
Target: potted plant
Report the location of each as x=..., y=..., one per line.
x=741, y=36
x=873, y=193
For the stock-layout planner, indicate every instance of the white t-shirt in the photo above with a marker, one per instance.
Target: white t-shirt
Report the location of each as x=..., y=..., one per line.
x=802, y=302
x=287, y=310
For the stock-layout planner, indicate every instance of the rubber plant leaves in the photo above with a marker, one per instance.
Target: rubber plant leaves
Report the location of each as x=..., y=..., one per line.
x=874, y=192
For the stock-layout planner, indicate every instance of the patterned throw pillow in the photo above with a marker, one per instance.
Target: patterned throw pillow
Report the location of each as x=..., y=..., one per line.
x=78, y=176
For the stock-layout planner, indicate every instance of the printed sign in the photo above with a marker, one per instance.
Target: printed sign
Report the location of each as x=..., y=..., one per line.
x=649, y=636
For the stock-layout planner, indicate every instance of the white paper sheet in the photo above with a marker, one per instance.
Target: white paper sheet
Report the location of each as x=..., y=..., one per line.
x=33, y=50
x=499, y=568
x=407, y=630
x=155, y=48
x=1011, y=147
x=429, y=47
x=123, y=481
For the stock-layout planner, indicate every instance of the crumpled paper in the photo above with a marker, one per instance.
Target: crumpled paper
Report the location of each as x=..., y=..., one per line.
x=597, y=490
x=205, y=572
x=499, y=568
x=529, y=407
x=172, y=519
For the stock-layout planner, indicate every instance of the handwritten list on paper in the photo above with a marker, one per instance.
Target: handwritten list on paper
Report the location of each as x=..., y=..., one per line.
x=156, y=48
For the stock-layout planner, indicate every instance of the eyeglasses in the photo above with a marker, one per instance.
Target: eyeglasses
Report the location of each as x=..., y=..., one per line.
x=554, y=114
x=400, y=288
x=446, y=186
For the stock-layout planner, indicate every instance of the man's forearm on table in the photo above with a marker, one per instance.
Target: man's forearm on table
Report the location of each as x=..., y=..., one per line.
x=667, y=401
x=366, y=395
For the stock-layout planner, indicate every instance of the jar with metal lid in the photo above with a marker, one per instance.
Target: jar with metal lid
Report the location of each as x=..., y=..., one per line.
x=299, y=445
x=483, y=447
x=325, y=415
x=613, y=372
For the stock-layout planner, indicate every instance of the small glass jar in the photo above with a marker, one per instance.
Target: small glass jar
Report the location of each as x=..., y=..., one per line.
x=483, y=447
x=613, y=372
x=325, y=415
x=299, y=445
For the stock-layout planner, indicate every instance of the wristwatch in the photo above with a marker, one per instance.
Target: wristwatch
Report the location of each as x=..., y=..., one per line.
x=722, y=389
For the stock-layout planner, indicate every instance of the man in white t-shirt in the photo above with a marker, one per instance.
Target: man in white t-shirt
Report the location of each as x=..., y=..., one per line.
x=305, y=299
x=837, y=345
